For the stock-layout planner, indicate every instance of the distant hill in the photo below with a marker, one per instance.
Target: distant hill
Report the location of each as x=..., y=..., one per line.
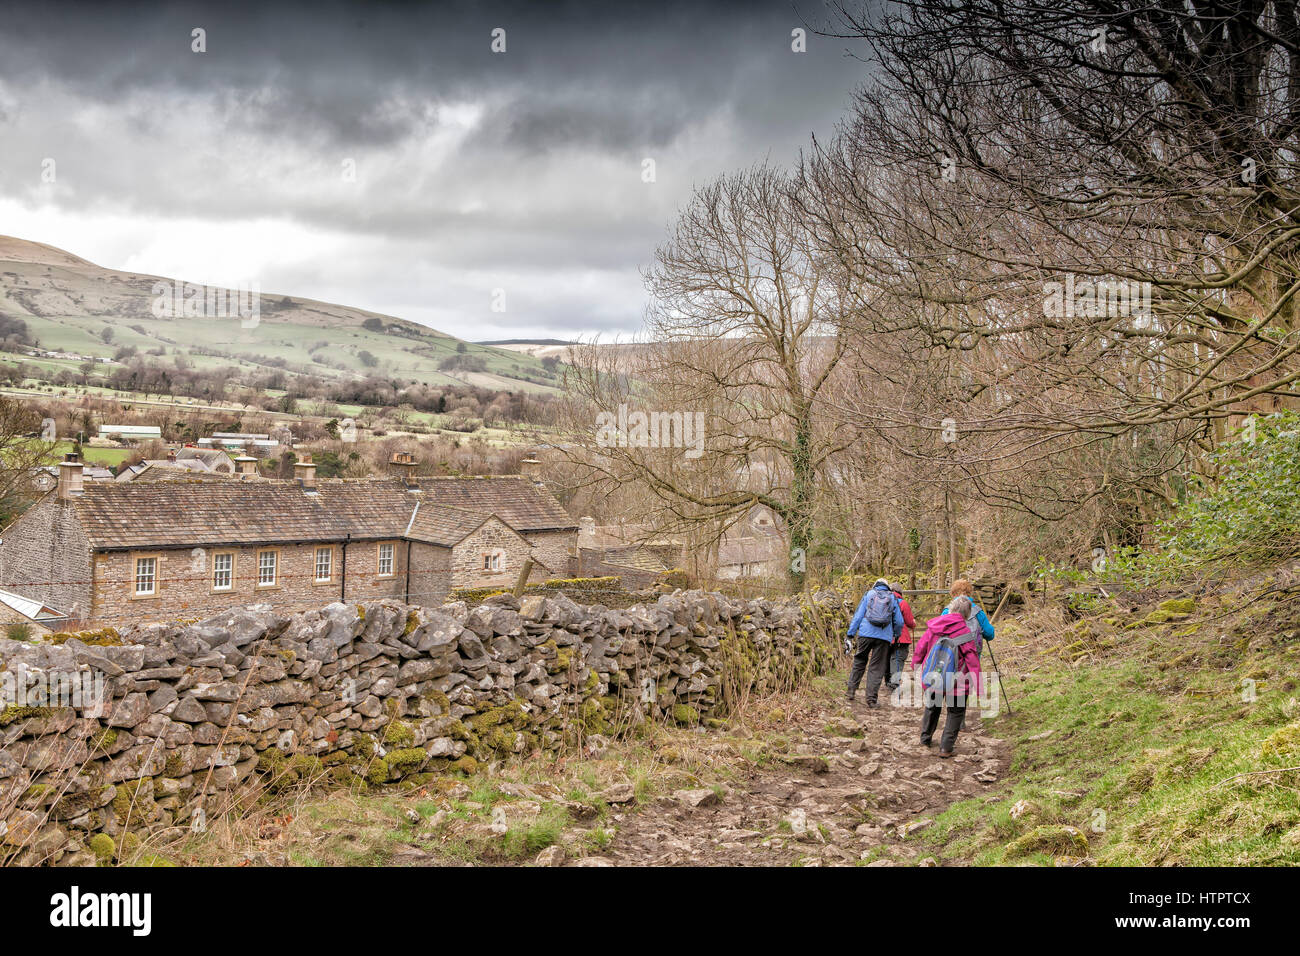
x=76, y=307
x=526, y=342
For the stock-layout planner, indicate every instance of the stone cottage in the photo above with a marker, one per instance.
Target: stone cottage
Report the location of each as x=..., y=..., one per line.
x=108, y=552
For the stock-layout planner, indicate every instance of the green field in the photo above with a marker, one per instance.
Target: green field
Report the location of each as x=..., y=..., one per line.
x=72, y=306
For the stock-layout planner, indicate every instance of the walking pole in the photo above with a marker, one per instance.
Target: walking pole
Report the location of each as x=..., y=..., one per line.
x=1006, y=594
x=994, y=660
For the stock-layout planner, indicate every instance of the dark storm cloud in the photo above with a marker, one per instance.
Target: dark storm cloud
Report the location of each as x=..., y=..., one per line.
x=513, y=165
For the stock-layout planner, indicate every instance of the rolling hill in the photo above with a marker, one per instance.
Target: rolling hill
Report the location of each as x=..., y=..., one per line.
x=76, y=307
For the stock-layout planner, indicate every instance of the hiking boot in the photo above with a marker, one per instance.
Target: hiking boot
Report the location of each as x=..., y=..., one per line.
x=945, y=754
x=849, y=696
x=927, y=742
x=872, y=703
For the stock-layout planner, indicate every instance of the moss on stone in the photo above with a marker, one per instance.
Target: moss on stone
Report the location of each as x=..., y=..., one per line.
x=75, y=804
x=102, y=845
x=377, y=771
x=13, y=714
x=103, y=637
x=127, y=802
x=412, y=622
x=439, y=698
x=408, y=760
x=175, y=765
x=36, y=795
x=306, y=766
x=272, y=760
x=466, y=765
x=398, y=733
x=104, y=740
x=686, y=715
x=593, y=716
x=1178, y=605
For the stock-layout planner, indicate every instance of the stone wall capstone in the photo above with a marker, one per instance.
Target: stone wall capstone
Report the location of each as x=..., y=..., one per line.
x=356, y=694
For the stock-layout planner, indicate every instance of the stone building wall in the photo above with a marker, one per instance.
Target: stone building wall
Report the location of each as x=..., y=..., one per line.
x=555, y=549
x=46, y=557
x=185, y=580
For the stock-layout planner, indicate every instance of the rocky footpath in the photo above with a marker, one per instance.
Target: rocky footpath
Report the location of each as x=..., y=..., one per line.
x=853, y=787
x=351, y=695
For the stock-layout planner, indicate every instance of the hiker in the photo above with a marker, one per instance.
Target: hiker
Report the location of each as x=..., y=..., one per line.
x=875, y=623
x=902, y=640
x=979, y=621
x=945, y=659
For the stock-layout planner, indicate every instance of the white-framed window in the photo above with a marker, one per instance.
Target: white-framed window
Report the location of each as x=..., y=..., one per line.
x=223, y=571
x=266, y=568
x=492, y=561
x=386, y=559
x=146, y=576
x=324, y=563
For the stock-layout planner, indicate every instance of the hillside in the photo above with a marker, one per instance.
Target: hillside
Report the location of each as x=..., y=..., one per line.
x=77, y=307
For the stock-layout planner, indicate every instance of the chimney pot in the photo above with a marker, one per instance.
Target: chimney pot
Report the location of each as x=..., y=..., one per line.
x=404, y=464
x=71, y=477
x=304, y=469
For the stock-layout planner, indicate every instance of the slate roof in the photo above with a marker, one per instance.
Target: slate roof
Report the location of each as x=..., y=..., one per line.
x=515, y=499
x=444, y=525
x=194, y=511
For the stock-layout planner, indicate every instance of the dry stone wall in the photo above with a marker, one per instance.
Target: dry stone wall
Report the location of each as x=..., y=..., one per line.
x=359, y=695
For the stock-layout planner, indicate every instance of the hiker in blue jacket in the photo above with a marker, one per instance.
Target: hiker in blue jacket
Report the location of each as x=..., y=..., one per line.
x=976, y=619
x=875, y=624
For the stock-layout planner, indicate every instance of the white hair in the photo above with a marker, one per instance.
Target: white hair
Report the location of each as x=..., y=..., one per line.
x=961, y=605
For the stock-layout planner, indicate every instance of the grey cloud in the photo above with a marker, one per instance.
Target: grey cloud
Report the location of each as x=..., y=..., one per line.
x=546, y=182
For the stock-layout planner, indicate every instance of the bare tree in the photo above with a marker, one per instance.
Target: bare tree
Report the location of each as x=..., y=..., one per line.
x=746, y=333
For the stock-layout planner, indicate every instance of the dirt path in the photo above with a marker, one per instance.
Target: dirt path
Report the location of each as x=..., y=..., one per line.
x=854, y=783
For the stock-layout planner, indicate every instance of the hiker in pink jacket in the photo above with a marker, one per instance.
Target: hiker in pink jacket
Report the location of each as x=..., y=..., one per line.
x=954, y=627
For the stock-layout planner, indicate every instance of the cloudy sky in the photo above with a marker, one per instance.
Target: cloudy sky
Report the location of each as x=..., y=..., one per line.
x=385, y=157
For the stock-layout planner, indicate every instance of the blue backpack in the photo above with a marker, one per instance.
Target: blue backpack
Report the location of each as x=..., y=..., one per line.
x=943, y=663
x=880, y=608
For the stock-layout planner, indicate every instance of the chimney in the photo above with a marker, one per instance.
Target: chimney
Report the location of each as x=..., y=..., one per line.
x=70, y=477
x=304, y=469
x=246, y=466
x=403, y=464
x=532, y=468
x=587, y=527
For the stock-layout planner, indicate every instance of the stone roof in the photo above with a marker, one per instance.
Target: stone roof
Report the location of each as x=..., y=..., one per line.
x=194, y=511
x=444, y=525
x=515, y=499
x=156, y=465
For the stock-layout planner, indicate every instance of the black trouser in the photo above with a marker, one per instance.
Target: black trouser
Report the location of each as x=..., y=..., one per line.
x=871, y=657
x=951, y=726
x=897, y=660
